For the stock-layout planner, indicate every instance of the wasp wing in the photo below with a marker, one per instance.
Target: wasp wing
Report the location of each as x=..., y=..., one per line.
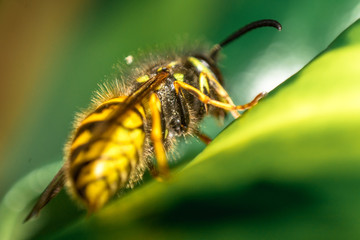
x=136, y=97
x=49, y=193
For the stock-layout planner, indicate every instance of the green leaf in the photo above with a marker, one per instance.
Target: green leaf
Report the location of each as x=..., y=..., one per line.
x=288, y=169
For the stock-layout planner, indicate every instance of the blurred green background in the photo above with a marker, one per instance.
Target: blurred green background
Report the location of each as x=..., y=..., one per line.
x=53, y=55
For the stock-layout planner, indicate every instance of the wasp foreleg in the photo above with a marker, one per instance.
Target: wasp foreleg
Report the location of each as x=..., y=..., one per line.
x=207, y=100
x=219, y=89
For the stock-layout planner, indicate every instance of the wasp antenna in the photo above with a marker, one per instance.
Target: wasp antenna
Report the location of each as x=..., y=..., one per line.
x=251, y=26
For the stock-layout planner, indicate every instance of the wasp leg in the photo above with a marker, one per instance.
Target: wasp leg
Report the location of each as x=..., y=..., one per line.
x=156, y=138
x=155, y=172
x=221, y=91
x=207, y=100
x=203, y=137
x=204, y=84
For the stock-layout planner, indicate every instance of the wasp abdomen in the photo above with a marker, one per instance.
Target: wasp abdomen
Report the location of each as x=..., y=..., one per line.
x=101, y=165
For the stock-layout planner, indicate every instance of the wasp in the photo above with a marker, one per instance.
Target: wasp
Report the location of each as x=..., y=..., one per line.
x=113, y=143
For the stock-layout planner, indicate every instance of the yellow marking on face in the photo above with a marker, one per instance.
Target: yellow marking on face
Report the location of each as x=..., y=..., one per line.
x=203, y=81
x=179, y=76
x=197, y=63
x=143, y=78
x=201, y=67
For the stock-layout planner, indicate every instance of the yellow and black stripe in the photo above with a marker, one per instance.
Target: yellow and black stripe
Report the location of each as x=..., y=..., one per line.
x=99, y=166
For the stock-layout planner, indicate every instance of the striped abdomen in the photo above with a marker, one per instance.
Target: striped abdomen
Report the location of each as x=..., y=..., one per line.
x=101, y=164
